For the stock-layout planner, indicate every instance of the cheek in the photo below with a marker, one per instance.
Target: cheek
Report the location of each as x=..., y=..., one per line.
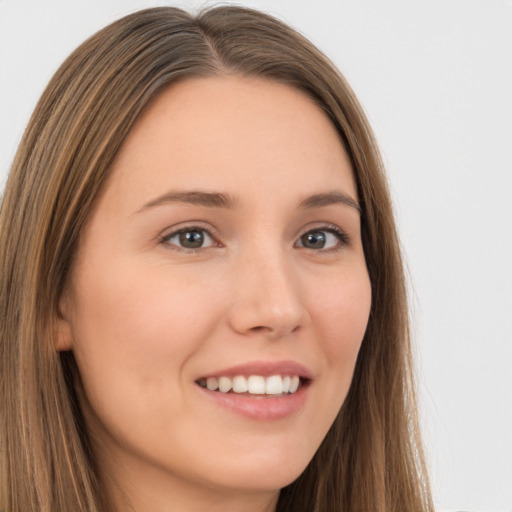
x=137, y=306
x=132, y=329
x=343, y=315
x=134, y=335
x=342, y=318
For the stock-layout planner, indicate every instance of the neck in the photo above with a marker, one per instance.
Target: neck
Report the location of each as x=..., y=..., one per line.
x=173, y=495
x=153, y=489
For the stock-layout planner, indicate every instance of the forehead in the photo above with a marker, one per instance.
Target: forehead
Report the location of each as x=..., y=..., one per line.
x=230, y=133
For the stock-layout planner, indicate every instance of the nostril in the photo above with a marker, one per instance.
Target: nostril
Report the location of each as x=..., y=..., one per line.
x=260, y=328
x=274, y=332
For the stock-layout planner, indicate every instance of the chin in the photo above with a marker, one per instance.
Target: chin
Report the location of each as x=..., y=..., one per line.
x=256, y=476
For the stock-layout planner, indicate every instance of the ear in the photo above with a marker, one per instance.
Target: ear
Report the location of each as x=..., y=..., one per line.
x=64, y=332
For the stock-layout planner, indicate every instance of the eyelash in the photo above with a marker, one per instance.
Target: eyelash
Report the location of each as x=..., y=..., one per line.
x=164, y=240
x=343, y=238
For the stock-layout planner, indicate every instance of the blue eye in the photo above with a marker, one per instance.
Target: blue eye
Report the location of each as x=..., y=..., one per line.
x=323, y=239
x=190, y=238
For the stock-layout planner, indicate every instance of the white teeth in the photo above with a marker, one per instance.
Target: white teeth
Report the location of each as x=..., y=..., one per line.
x=274, y=385
x=294, y=384
x=225, y=384
x=286, y=384
x=255, y=384
x=212, y=383
x=240, y=384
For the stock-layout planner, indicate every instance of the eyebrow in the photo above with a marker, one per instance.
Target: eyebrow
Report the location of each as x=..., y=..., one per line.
x=195, y=197
x=219, y=200
x=327, y=199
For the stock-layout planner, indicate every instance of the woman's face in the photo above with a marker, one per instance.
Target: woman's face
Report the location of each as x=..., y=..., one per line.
x=223, y=250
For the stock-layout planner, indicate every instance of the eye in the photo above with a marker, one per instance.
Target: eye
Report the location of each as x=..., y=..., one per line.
x=331, y=238
x=190, y=238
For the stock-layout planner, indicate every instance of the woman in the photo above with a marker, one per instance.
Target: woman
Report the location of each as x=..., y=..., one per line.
x=201, y=287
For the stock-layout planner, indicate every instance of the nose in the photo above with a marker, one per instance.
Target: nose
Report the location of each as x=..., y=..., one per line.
x=268, y=300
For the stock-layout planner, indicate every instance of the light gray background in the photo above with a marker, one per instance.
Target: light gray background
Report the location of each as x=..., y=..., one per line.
x=435, y=77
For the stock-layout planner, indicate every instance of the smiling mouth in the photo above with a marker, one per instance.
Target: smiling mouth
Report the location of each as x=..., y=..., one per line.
x=255, y=385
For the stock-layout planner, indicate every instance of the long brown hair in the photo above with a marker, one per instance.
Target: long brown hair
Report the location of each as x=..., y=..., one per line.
x=371, y=459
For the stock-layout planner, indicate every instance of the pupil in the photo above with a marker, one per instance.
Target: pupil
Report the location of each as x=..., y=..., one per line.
x=191, y=239
x=314, y=240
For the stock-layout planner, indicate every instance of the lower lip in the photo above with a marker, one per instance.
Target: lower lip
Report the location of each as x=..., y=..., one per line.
x=264, y=408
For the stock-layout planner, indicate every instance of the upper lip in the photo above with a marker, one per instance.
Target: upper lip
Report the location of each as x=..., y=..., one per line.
x=263, y=368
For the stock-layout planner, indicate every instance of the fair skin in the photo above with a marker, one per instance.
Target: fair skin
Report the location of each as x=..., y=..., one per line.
x=262, y=270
